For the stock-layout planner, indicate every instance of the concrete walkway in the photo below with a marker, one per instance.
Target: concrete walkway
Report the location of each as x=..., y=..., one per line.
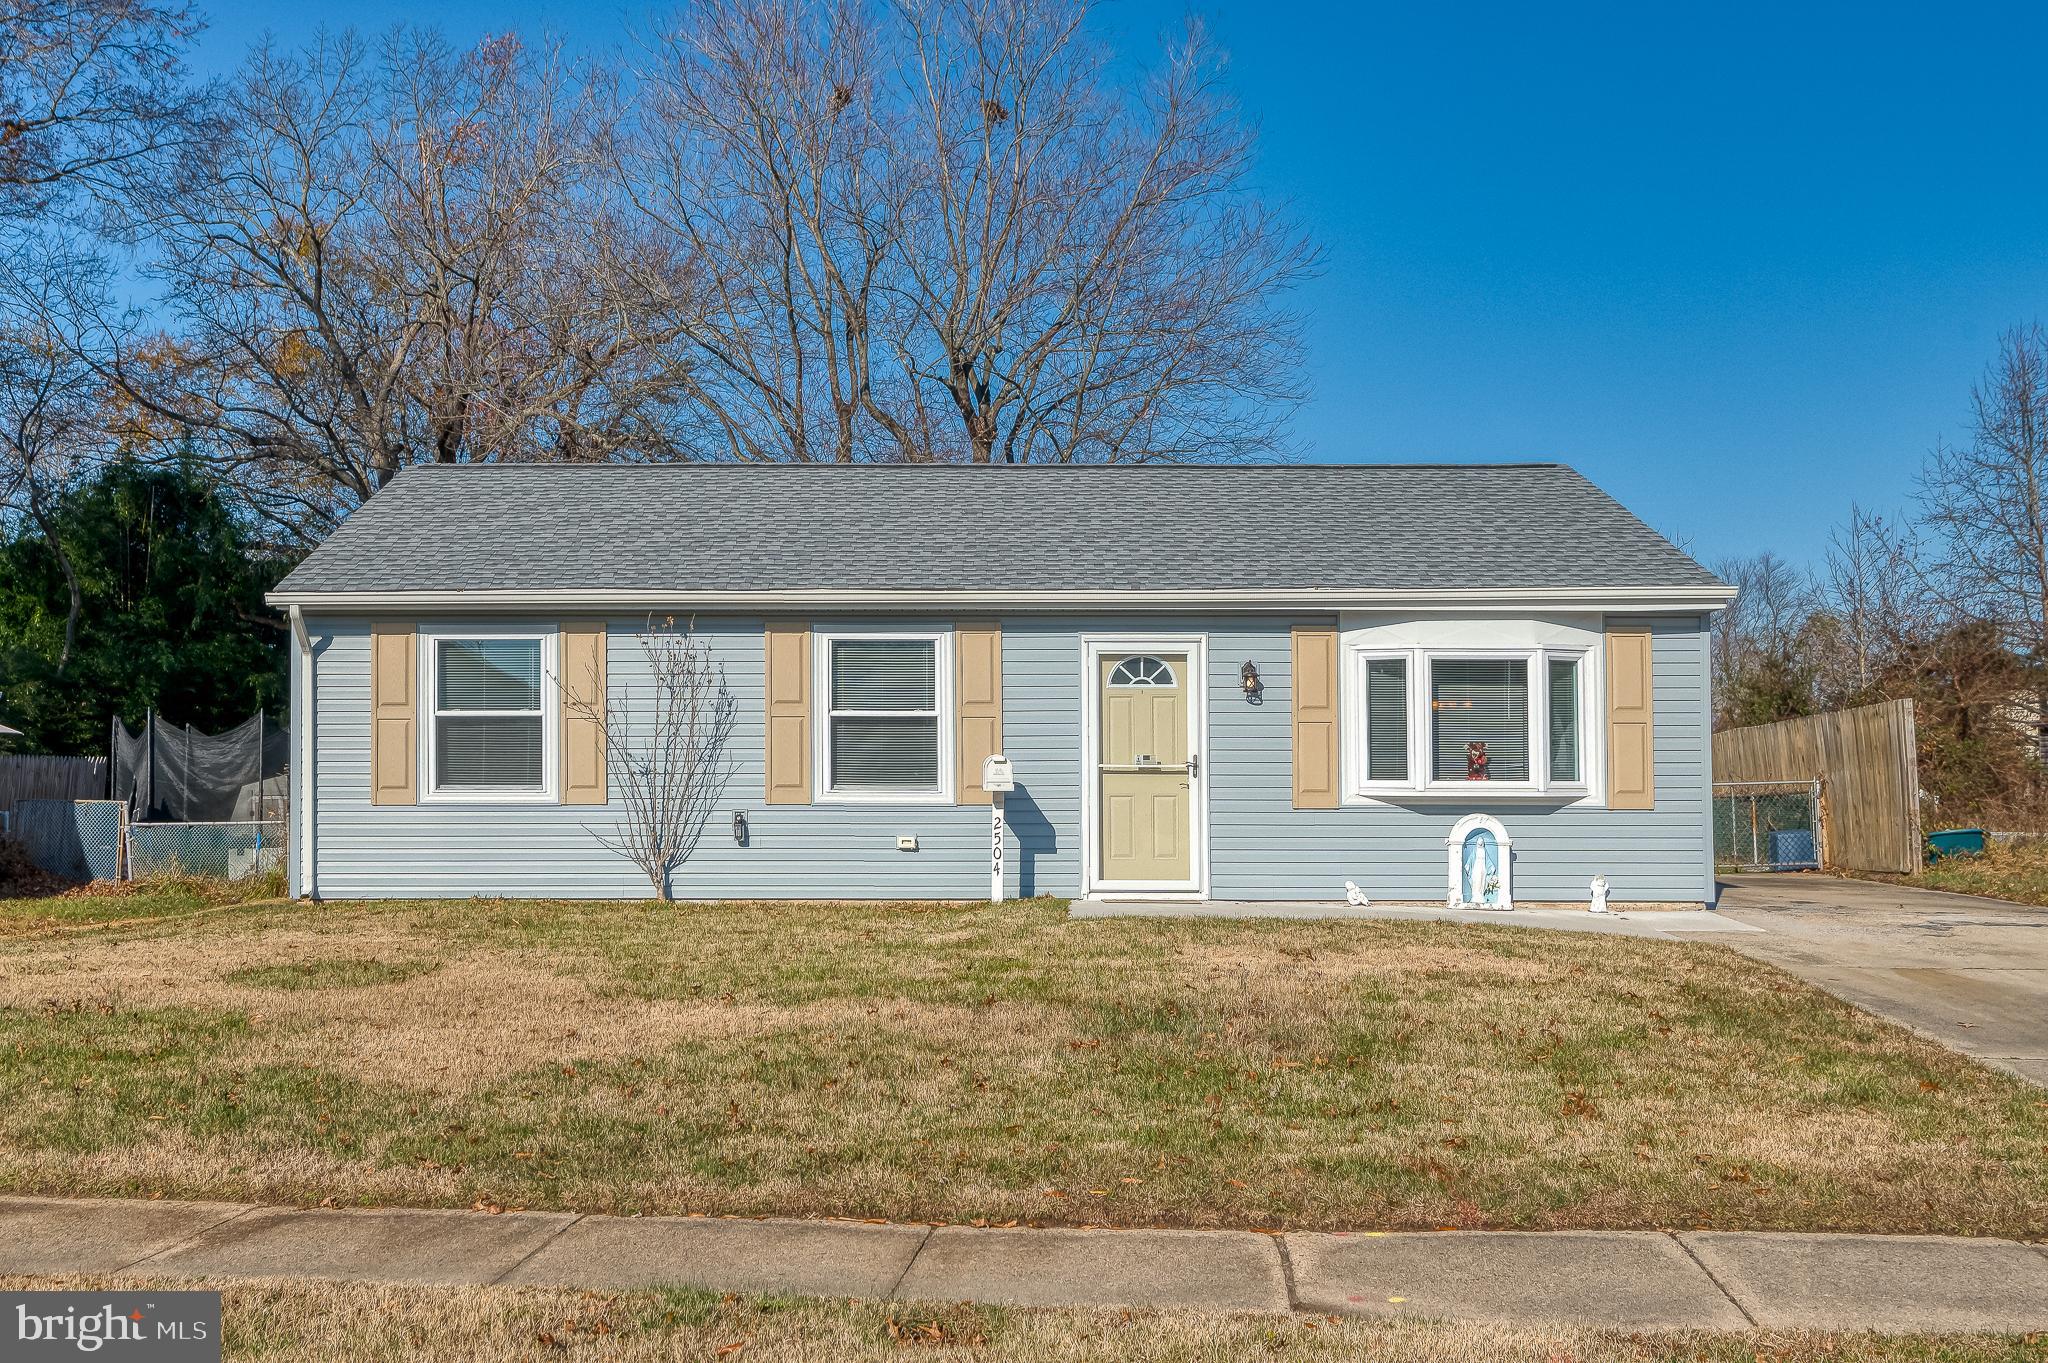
x=1623, y=1280
x=1969, y=972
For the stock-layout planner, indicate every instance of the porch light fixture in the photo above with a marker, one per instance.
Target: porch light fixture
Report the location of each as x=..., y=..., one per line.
x=1249, y=675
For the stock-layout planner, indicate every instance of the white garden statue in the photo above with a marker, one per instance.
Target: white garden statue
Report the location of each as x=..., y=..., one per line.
x=1355, y=897
x=1599, y=887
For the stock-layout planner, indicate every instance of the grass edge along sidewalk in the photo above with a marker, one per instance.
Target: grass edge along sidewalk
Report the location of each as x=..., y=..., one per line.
x=337, y=1322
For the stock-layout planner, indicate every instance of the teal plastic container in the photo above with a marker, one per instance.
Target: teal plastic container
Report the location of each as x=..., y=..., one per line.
x=1951, y=841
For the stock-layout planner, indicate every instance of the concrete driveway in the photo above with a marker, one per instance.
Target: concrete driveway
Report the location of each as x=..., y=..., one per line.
x=1967, y=971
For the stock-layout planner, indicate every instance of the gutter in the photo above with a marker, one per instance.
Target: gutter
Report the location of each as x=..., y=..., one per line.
x=303, y=783
x=1473, y=600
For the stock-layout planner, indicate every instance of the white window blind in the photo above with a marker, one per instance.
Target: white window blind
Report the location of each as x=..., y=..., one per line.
x=1386, y=719
x=488, y=731
x=884, y=714
x=1564, y=719
x=1479, y=700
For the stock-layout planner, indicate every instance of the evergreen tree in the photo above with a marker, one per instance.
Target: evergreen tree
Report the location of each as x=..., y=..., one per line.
x=172, y=616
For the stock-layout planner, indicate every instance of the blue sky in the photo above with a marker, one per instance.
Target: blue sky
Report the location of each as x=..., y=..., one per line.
x=1739, y=263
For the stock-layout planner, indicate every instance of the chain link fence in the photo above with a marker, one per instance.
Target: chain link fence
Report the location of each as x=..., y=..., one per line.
x=224, y=851
x=75, y=839
x=1767, y=825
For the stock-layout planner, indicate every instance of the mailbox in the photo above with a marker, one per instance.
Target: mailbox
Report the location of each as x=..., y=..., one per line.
x=996, y=774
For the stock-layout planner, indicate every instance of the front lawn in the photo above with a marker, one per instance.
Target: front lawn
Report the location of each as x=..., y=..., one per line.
x=364, y=1323
x=978, y=1064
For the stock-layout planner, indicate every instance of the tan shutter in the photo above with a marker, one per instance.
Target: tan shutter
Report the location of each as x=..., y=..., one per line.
x=978, y=698
x=394, y=714
x=1315, y=717
x=788, y=686
x=583, y=713
x=1631, y=764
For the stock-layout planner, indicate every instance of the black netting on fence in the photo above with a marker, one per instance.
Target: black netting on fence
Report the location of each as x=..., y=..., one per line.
x=169, y=773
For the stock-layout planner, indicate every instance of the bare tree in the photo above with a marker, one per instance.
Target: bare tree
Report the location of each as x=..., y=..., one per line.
x=1986, y=502
x=1092, y=276
x=949, y=229
x=49, y=423
x=383, y=259
x=1763, y=662
x=764, y=151
x=667, y=735
x=1875, y=589
x=87, y=88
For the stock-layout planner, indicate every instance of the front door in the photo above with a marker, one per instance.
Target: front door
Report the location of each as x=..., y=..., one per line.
x=1146, y=770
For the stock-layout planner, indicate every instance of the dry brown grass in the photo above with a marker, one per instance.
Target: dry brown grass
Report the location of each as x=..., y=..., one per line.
x=56, y=905
x=361, y=1323
x=973, y=1063
x=2014, y=870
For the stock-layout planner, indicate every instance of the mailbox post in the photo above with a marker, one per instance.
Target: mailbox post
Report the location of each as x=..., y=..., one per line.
x=998, y=780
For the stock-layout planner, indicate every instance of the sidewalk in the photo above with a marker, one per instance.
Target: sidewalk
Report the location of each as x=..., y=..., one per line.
x=1628, y=1280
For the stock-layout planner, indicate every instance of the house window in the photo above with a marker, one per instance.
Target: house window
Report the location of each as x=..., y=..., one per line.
x=1386, y=720
x=883, y=735
x=1141, y=671
x=490, y=729
x=1479, y=719
x=1435, y=722
x=1564, y=720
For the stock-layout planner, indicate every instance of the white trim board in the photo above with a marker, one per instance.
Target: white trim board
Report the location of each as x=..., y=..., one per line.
x=426, y=715
x=1634, y=600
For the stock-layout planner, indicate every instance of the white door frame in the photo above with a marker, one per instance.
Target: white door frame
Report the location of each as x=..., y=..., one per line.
x=1093, y=648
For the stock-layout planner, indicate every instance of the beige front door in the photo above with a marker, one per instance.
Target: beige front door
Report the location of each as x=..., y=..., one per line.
x=1147, y=778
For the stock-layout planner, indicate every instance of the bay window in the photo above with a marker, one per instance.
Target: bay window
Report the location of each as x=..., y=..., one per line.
x=1386, y=720
x=1469, y=721
x=1479, y=719
x=884, y=735
x=1563, y=702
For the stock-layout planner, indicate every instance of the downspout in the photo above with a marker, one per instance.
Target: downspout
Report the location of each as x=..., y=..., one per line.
x=302, y=782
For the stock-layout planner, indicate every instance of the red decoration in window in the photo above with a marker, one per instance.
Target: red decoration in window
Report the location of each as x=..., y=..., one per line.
x=1475, y=760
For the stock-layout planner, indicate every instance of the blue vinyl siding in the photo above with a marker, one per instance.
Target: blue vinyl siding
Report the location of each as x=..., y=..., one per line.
x=1263, y=848
x=439, y=849
x=1260, y=846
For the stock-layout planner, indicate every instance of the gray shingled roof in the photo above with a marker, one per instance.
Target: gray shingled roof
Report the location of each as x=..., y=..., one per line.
x=703, y=527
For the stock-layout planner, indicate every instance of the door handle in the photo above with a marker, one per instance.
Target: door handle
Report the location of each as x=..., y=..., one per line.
x=1195, y=765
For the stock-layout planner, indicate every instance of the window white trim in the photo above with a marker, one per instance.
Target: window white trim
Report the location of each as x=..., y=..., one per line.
x=429, y=712
x=1356, y=718
x=1422, y=643
x=822, y=791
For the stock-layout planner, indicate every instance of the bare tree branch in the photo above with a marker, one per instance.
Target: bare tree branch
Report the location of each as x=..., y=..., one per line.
x=87, y=89
x=667, y=733
x=943, y=229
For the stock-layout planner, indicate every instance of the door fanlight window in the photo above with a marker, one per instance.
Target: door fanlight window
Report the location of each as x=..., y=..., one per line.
x=1141, y=671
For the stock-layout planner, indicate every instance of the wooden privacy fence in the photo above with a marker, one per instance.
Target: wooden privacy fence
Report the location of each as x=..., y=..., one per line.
x=27, y=777
x=1866, y=762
